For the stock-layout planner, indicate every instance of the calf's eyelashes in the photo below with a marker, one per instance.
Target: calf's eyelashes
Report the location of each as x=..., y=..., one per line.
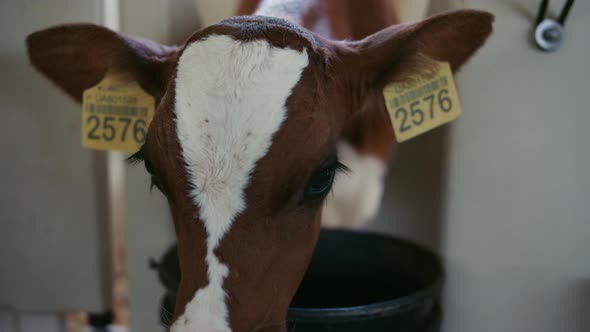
x=320, y=183
x=140, y=157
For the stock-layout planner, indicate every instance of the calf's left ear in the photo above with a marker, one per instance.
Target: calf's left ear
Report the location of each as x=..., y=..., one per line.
x=77, y=56
x=394, y=53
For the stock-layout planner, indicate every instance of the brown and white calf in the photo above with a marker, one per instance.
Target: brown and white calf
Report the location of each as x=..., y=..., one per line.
x=253, y=114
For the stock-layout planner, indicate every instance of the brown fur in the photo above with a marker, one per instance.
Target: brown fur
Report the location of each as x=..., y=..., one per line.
x=338, y=97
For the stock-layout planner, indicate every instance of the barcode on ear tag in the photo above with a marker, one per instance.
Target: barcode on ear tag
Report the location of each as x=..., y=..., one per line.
x=116, y=114
x=427, y=101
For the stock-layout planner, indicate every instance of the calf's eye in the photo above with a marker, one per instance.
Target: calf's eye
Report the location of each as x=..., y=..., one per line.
x=321, y=181
x=140, y=157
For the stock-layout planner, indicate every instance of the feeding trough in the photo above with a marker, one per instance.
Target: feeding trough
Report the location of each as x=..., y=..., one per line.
x=356, y=281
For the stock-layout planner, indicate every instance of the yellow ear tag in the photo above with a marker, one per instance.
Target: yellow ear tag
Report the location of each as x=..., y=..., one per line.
x=116, y=114
x=424, y=102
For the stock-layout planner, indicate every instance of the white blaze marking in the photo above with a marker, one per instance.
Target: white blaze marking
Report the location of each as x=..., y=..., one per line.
x=356, y=196
x=230, y=100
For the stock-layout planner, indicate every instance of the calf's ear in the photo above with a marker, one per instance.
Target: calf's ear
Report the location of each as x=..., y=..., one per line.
x=76, y=57
x=395, y=53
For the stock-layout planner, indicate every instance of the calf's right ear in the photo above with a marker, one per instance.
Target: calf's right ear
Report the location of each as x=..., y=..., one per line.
x=77, y=57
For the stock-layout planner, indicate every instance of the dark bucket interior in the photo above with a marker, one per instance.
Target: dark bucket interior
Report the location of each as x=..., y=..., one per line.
x=355, y=282
x=368, y=282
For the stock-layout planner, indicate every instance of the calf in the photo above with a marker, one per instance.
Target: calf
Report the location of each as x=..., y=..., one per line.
x=253, y=115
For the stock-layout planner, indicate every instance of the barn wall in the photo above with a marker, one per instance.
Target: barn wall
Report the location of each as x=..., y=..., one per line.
x=516, y=225
x=51, y=250
x=503, y=192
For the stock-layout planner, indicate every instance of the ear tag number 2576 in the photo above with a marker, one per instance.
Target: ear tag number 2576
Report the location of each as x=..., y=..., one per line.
x=116, y=114
x=427, y=102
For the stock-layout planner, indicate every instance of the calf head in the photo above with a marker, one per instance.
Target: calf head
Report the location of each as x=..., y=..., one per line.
x=243, y=143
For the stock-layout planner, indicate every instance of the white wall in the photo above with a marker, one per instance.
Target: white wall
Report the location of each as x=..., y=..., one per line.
x=51, y=249
x=516, y=232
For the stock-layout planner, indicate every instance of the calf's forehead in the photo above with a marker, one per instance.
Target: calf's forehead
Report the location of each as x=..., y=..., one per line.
x=230, y=99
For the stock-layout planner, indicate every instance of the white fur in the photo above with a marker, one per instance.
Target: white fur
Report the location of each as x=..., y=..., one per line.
x=230, y=101
x=356, y=196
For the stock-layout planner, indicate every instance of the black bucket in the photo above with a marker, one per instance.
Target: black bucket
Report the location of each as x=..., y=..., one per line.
x=356, y=282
